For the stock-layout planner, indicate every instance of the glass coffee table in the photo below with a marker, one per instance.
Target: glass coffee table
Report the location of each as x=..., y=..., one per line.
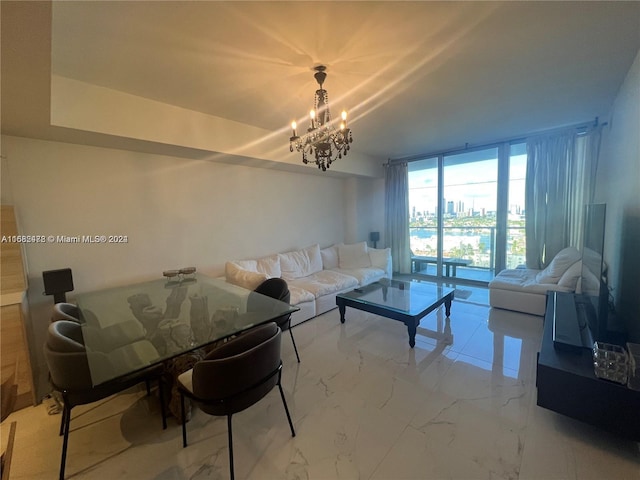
x=405, y=301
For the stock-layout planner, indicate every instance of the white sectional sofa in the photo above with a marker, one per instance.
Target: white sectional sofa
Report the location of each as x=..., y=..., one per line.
x=524, y=289
x=315, y=276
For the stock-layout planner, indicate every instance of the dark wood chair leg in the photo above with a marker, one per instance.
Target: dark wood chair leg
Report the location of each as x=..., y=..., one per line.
x=230, y=447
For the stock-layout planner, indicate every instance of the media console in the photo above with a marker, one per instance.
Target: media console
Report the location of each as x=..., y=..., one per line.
x=567, y=383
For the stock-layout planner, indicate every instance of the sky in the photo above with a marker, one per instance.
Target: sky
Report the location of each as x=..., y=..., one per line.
x=473, y=183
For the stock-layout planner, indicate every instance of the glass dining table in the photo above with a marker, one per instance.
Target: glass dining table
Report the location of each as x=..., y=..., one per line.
x=129, y=328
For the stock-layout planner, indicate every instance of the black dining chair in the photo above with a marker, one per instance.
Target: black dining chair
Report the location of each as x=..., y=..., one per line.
x=65, y=311
x=278, y=289
x=235, y=376
x=110, y=338
x=66, y=357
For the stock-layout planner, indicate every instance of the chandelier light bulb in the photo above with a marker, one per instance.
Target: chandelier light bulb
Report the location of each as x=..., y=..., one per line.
x=294, y=125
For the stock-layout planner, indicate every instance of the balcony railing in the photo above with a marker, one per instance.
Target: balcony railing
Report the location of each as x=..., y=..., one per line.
x=475, y=243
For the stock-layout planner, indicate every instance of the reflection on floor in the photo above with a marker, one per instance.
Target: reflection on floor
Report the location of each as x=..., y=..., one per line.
x=461, y=404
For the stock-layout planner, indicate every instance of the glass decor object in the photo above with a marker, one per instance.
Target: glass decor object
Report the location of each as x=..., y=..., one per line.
x=610, y=362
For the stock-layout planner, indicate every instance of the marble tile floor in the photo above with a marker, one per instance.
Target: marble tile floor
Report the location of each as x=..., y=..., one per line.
x=460, y=405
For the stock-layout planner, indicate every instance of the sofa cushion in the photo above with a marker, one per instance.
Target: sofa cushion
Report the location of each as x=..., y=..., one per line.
x=523, y=280
x=590, y=284
x=300, y=263
x=381, y=258
x=570, y=278
x=365, y=276
x=353, y=256
x=325, y=282
x=243, y=278
x=560, y=264
x=329, y=257
x=250, y=265
x=519, y=301
x=299, y=295
x=269, y=265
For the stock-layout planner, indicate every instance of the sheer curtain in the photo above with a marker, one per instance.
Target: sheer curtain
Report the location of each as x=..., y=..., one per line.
x=397, y=215
x=588, y=154
x=561, y=171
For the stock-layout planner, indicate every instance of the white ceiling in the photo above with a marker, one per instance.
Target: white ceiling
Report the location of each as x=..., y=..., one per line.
x=415, y=77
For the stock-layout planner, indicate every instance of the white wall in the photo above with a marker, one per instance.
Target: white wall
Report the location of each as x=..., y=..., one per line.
x=618, y=185
x=175, y=212
x=365, y=201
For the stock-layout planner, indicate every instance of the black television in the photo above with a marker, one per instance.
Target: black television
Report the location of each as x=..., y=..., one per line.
x=592, y=287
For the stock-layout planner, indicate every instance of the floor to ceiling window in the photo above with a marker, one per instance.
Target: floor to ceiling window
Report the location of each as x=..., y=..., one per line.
x=515, y=248
x=423, y=205
x=467, y=212
x=469, y=217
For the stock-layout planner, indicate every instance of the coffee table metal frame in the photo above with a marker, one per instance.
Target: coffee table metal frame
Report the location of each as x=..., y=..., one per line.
x=411, y=319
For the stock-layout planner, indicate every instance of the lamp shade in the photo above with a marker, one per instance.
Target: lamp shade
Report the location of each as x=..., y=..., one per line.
x=374, y=236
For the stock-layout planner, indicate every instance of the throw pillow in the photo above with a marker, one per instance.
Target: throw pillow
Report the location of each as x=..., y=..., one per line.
x=329, y=257
x=251, y=265
x=243, y=278
x=269, y=265
x=590, y=284
x=300, y=263
x=354, y=256
x=380, y=257
x=560, y=264
x=570, y=278
x=315, y=258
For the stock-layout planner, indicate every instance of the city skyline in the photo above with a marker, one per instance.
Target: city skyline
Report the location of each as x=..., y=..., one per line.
x=470, y=187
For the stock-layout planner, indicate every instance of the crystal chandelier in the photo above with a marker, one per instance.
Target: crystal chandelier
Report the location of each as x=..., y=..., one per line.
x=322, y=143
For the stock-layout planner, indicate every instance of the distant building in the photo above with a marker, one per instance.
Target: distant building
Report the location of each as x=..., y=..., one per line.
x=450, y=208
